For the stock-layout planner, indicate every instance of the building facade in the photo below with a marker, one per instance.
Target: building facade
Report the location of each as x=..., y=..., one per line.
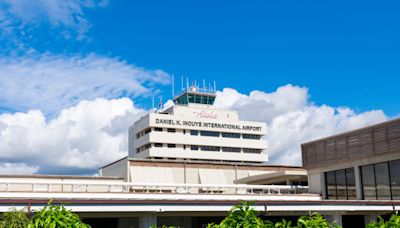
x=193, y=129
x=358, y=165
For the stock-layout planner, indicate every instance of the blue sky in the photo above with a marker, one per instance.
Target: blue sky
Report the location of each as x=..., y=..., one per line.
x=345, y=52
x=56, y=54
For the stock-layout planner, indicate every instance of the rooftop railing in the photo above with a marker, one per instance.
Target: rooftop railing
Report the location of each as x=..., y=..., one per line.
x=61, y=186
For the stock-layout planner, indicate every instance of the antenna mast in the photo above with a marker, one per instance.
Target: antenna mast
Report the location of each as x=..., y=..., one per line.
x=173, y=86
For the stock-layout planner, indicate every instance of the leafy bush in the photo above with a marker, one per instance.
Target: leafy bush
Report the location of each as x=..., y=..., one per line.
x=53, y=216
x=245, y=216
x=240, y=216
x=315, y=220
x=394, y=221
x=14, y=219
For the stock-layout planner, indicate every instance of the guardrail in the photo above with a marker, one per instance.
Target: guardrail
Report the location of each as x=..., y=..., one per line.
x=61, y=186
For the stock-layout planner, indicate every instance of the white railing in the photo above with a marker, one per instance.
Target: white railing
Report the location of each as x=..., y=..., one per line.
x=62, y=186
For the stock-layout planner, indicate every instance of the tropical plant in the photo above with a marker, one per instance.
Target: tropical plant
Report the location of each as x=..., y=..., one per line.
x=14, y=219
x=394, y=221
x=53, y=216
x=315, y=220
x=242, y=215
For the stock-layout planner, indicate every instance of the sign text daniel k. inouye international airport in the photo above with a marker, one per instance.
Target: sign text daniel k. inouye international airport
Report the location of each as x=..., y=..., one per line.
x=207, y=124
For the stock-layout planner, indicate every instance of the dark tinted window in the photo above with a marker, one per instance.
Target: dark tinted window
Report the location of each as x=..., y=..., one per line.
x=394, y=167
x=193, y=147
x=382, y=181
x=249, y=136
x=230, y=135
x=171, y=145
x=158, y=129
x=368, y=182
x=330, y=179
x=158, y=145
x=251, y=151
x=231, y=149
x=209, y=133
x=210, y=148
x=171, y=130
x=341, y=184
x=351, y=184
x=192, y=132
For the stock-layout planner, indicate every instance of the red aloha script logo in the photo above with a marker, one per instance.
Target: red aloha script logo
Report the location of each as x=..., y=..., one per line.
x=206, y=114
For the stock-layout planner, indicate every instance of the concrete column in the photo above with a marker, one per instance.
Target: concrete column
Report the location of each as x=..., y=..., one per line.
x=337, y=218
x=370, y=217
x=148, y=220
x=357, y=175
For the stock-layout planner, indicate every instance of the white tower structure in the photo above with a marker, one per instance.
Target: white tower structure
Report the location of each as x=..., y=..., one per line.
x=193, y=129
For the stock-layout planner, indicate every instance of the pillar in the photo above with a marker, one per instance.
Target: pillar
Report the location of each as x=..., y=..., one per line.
x=147, y=220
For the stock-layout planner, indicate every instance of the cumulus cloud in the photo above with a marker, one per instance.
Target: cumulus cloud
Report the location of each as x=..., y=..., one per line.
x=293, y=119
x=17, y=168
x=79, y=140
x=66, y=14
x=52, y=82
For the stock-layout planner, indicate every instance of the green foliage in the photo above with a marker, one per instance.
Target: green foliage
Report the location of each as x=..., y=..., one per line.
x=14, y=219
x=53, y=216
x=242, y=215
x=315, y=220
x=394, y=221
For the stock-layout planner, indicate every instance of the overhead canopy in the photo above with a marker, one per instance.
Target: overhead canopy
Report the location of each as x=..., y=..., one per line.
x=212, y=176
x=142, y=174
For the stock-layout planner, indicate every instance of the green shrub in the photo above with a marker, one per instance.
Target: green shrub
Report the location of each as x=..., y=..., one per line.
x=394, y=221
x=315, y=220
x=14, y=219
x=53, y=216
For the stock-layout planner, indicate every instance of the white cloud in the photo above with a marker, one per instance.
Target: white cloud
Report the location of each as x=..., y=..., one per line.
x=52, y=82
x=79, y=139
x=17, y=168
x=66, y=14
x=292, y=119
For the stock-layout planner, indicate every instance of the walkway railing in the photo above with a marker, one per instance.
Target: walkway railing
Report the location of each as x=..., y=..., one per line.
x=61, y=186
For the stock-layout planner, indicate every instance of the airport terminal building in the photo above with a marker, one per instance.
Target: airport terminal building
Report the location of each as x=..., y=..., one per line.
x=188, y=164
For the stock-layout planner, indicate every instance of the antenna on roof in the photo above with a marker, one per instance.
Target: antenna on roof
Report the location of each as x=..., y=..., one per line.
x=204, y=84
x=182, y=83
x=173, y=86
x=152, y=103
x=215, y=87
x=187, y=83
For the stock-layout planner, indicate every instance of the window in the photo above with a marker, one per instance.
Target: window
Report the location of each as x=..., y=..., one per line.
x=351, y=184
x=341, y=184
x=231, y=149
x=210, y=148
x=158, y=144
x=209, y=133
x=382, y=181
x=394, y=167
x=192, y=132
x=368, y=182
x=171, y=145
x=193, y=147
x=230, y=135
x=250, y=136
x=171, y=130
x=148, y=130
x=330, y=179
x=158, y=129
x=252, y=151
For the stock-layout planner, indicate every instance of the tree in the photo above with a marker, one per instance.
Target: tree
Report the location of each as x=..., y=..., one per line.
x=53, y=216
x=14, y=219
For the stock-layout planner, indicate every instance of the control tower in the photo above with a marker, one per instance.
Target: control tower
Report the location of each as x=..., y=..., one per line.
x=193, y=129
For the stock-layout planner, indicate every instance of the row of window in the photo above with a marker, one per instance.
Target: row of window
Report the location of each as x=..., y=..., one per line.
x=379, y=181
x=202, y=133
x=341, y=184
x=202, y=148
